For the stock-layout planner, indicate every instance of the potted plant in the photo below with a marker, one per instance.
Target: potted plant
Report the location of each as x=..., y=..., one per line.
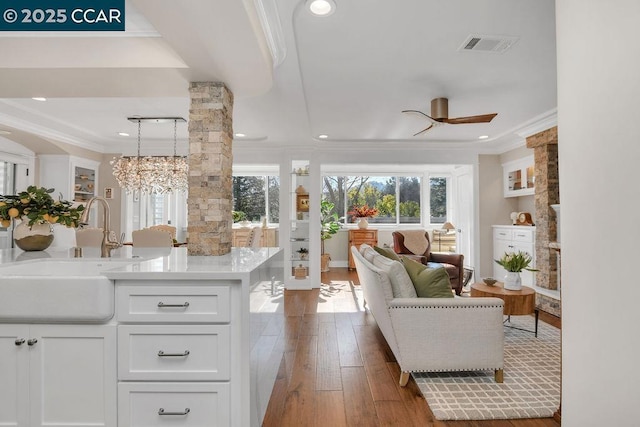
x=514, y=263
x=329, y=226
x=362, y=213
x=37, y=210
x=304, y=253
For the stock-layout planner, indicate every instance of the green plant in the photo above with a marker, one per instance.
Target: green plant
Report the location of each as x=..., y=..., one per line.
x=515, y=261
x=328, y=221
x=38, y=207
x=303, y=251
x=238, y=216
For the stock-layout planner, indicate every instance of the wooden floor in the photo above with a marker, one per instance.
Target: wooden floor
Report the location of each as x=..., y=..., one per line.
x=338, y=370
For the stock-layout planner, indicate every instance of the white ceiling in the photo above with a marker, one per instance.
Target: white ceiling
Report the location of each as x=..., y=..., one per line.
x=347, y=75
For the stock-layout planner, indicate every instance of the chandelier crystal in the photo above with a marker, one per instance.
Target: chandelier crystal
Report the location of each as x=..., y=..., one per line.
x=152, y=174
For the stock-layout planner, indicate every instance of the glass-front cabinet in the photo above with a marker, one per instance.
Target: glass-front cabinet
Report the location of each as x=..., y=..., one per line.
x=519, y=177
x=299, y=238
x=84, y=184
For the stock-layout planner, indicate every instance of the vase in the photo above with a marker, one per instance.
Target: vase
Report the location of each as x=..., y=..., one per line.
x=36, y=237
x=363, y=223
x=512, y=281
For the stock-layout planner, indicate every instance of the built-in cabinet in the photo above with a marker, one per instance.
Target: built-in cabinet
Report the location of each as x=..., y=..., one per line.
x=519, y=177
x=174, y=354
x=513, y=239
x=73, y=177
x=300, y=251
x=57, y=375
x=359, y=236
x=266, y=237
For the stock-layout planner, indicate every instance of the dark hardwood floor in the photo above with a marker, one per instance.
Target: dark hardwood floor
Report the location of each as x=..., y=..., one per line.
x=338, y=370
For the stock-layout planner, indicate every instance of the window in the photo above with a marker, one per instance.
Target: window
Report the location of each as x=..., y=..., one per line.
x=397, y=198
x=438, y=200
x=257, y=197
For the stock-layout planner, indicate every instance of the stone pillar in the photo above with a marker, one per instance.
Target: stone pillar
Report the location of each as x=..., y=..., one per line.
x=210, y=162
x=545, y=149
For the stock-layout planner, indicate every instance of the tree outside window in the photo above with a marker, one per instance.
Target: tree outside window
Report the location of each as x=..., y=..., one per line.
x=396, y=198
x=253, y=194
x=438, y=199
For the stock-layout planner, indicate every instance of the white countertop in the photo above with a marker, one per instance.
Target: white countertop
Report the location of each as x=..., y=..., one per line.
x=160, y=263
x=517, y=227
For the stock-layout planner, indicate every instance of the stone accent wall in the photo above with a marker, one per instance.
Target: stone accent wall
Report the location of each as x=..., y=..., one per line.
x=545, y=148
x=210, y=163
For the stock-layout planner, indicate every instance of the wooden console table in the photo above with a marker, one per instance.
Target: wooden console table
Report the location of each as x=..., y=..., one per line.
x=516, y=303
x=359, y=236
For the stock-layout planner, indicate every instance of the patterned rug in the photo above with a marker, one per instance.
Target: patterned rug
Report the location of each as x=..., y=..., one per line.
x=531, y=387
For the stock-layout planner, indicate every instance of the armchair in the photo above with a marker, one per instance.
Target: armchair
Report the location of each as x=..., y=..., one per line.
x=453, y=263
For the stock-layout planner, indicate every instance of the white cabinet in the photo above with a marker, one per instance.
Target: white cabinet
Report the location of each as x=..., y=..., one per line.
x=57, y=375
x=174, y=354
x=519, y=177
x=513, y=239
x=299, y=250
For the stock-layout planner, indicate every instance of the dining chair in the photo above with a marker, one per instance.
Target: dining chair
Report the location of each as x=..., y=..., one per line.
x=89, y=237
x=149, y=238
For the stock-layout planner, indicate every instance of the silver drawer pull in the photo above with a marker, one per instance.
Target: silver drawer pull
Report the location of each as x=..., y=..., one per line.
x=32, y=341
x=163, y=354
x=161, y=411
x=163, y=305
x=20, y=341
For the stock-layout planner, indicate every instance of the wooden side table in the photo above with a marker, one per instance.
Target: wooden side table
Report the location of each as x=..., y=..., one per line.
x=359, y=236
x=516, y=303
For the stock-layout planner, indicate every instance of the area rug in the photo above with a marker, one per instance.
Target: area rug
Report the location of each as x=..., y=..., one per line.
x=531, y=387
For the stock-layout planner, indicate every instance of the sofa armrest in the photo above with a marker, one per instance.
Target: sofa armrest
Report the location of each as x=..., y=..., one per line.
x=453, y=259
x=424, y=332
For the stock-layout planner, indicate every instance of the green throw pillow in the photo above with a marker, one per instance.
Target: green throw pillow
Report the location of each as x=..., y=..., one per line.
x=388, y=252
x=429, y=282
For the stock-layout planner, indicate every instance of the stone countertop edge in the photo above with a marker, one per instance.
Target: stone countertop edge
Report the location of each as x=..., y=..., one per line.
x=162, y=263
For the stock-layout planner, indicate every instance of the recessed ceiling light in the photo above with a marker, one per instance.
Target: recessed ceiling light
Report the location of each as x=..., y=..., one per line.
x=483, y=137
x=323, y=136
x=240, y=135
x=39, y=98
x=321, y=7
x=123, y=134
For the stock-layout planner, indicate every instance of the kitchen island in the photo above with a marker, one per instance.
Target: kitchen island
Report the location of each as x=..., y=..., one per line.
x=193, y=340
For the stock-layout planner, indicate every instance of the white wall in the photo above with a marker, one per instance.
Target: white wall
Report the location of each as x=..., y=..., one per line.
x=599, y=150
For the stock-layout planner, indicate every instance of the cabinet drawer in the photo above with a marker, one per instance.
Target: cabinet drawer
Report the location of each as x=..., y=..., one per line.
x=183, y=404
x=525, y=235
x=174, y=304
x=363, y=236
x=502, y=234
x=174, y=352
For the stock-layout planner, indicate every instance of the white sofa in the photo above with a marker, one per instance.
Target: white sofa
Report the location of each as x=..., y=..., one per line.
x=433, y=334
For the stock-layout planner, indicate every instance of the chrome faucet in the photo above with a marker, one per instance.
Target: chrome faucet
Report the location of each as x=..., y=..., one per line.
x=107, y=242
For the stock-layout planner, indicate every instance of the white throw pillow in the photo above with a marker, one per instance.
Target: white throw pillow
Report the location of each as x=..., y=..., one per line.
x=368, y=252
x=401, y=283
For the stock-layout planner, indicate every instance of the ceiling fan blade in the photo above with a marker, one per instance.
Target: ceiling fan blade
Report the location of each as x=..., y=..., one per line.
x=483, y=118
x=423, y=130
x=420, y=112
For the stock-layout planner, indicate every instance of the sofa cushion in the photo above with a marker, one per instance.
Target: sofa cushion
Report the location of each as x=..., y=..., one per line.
x=388, y=252
x=428, y=282
x=367, y=252
x=401, y=284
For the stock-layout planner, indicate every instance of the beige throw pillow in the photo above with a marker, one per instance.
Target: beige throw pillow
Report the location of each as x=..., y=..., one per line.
x=401, y=284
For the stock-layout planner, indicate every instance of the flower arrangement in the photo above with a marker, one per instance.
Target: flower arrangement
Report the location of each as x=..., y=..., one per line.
x=363, y=211
x=38, y=207
x=515, y=262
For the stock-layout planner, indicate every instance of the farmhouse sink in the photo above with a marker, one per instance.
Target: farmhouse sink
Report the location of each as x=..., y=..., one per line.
x=58, y=291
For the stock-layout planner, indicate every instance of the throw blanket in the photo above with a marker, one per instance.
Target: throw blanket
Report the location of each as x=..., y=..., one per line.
x=415, y=241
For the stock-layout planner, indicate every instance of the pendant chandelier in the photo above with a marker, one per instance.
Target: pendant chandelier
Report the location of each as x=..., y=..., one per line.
x=152, y=174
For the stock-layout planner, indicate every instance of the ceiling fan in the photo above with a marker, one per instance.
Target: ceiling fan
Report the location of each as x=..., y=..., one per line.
x=440, y=114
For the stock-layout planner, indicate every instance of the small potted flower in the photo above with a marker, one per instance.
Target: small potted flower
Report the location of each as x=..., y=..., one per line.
x=304, y=253
x=362, y=214
x=37, y=210
x=514, y=263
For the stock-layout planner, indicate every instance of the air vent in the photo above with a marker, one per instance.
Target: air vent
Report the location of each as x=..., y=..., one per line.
x=497, y=44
